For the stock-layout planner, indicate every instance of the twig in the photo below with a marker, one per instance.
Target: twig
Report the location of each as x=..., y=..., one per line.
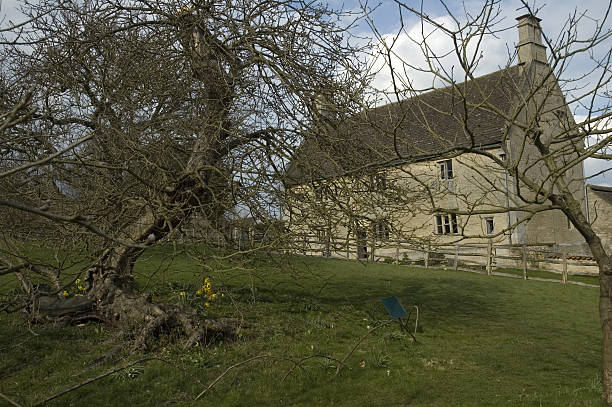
x=299, y=363
x=416, y=322
x=10, y=401
x=240, y=364
x=403, y=325
x=359, y=342
x=110, y=372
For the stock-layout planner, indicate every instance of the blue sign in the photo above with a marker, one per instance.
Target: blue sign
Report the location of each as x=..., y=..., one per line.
x=394, y=308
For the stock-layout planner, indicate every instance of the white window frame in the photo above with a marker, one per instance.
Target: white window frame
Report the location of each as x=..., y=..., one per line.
x=446, y=224
x=381, y=229
x=446, y=169
x=320, y=191
x=489, y=226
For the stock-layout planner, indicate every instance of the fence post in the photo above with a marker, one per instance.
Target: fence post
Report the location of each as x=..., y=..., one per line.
x=427, y=259
x=489, y=254
x=397, y=254
x=456, y=256
x=372, y=259
x=348, y=247
x=524, y=250
x=564, y=266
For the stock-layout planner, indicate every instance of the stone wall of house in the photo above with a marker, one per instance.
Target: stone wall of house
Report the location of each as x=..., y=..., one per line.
x=600, y=212
x=319, y=228
x=477, y=183
x=554, y=122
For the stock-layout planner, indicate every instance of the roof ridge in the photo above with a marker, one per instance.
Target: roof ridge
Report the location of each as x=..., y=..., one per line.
x=425, y=125
x=420, y=95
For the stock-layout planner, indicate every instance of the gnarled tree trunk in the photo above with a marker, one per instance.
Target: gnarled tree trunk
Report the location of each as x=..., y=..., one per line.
x=605, y=315
x=111, y=282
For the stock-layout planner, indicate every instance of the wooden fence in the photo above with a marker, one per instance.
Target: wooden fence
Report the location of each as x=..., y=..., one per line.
x=489, y=258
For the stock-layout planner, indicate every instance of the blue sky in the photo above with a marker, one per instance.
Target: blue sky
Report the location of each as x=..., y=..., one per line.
x=494, y=51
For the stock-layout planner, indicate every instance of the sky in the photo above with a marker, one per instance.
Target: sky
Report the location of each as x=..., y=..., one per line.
x=395, y=25
x=399, y=27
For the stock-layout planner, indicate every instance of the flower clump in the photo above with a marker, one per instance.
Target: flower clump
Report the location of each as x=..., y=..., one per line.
x=77, y=289
x=207, y=292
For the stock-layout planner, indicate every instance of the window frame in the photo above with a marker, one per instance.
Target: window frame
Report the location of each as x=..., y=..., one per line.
x=446, y=224
x=489, y=225
x=320, y=191
x=446, y=169
x=379, y=181
x=381, y=229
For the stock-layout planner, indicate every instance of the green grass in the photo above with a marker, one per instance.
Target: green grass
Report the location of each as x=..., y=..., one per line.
x=486, y=341
x=594, y=279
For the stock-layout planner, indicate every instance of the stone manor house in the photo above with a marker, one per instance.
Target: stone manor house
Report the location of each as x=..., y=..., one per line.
x=429, y=169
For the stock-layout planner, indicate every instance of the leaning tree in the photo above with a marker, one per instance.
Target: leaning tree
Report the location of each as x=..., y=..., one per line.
x=558, y=117
x=124, y=120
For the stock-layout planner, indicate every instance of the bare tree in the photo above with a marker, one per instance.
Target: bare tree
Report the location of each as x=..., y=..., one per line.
x=544, y=147
x=124, y=120
x=458, y=149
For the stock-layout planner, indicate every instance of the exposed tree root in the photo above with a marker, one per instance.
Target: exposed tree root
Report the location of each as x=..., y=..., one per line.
x=57, y=307
x=135, y=314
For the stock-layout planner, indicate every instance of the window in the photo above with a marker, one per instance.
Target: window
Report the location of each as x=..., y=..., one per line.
x=372, y=183
x=324, y=240
x=381, y=229
x=320, y=192
x=446, y=224
x=446, y=169
x=362, y=183
x=489, y=226
x=376, y=182
x=379, y=182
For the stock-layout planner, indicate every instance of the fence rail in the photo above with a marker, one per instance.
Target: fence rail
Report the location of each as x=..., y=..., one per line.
x=488, y=258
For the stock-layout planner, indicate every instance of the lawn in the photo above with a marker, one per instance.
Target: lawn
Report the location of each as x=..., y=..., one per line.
x=482, y=341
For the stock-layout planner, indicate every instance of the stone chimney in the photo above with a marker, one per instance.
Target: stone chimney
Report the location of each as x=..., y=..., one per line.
x=530, y=46
x=324, y=107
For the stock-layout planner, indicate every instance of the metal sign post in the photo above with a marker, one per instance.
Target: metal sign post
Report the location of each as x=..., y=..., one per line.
x=397, y=311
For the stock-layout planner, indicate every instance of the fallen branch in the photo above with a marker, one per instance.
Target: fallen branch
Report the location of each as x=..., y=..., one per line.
x=110, y=372
x=358, y=343
x=9, y=400
x=210, y=386
x=304, y=359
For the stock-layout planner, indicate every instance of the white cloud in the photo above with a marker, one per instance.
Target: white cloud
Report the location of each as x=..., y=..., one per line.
x=495, y=49
x=597, y=171
x=9, y=12
x=418, y=50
